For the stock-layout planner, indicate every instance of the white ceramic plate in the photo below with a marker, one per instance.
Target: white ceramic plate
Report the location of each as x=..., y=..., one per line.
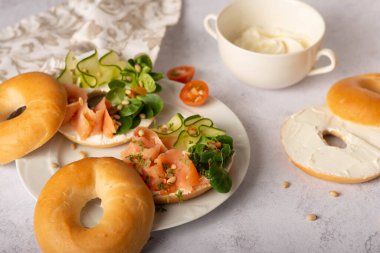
x=35, y=168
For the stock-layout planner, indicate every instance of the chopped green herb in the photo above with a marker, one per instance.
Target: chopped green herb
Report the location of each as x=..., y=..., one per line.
x=130, y=157
x=166, y=166
x=179, y=195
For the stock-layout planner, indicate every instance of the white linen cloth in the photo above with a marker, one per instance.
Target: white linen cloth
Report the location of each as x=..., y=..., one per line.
x=129, y=27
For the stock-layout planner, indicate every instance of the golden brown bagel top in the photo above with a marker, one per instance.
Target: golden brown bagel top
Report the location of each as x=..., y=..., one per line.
x=45, y=101
x=357, y=99
x=128, y=208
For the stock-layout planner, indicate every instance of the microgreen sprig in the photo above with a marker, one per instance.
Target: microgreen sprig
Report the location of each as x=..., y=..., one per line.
x=134, y=95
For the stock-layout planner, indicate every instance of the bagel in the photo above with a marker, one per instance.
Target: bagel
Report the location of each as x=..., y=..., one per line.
x=302, y=136
x=41, y=100
x=128, y=208
x=107, y=97
x=170, y=174
x=92, y=120
x=357, y=99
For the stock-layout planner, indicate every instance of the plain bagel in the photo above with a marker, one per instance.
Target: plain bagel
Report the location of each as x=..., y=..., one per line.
x=357, y=99
x=41, y=100
x=302, y=136
x=128, y=208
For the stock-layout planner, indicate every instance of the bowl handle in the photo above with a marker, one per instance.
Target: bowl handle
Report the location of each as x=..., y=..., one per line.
x=329, y=54
x=210, y=27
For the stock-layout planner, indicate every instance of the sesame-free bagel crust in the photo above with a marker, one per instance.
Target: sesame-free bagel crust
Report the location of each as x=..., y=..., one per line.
x=128, y=208
x=45, y=102
x=357, y=99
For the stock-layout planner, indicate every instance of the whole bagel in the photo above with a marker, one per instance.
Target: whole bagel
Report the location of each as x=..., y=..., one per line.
x=128, y=208
x=43, y=100
x=357, y=99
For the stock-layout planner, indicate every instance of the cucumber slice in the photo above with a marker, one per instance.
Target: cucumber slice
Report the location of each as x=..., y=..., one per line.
x=112, y=59
x=174, y=125
x=89, y=69
x=202, y=122
x=111, y=66
x=210, y=131
x=191, y=119
x=94, y=74
x=68, y=73
x=189, y=131
x=185, y=141
x=105, y=74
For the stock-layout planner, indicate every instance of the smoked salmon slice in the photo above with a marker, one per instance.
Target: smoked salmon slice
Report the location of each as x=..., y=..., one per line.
x=179, y=166
x=163, y=170
x=84, y=120
x=144, y=142
x=71, y=110
x=76, y=97
x=103, y=122
x=74, y=92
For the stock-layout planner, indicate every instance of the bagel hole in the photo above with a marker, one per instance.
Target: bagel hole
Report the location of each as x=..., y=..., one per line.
x=371, y=85
x=332, y=139
x=16, y=113
x=91, y=213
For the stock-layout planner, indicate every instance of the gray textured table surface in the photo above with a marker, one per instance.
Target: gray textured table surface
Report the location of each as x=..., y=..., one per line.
x=261, y=216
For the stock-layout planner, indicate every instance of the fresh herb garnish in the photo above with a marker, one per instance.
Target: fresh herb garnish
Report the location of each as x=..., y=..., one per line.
x=166, y=166
x=139, y=72
x=212, y=161
x=153, y=102
x=134, y=94
x=179, y=195
x=126, y=125
x=132, y=109
x=116, y=95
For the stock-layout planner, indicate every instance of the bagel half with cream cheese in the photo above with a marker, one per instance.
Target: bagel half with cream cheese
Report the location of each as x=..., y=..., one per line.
x=184, y=171
x=302, y=136
x=108, y=97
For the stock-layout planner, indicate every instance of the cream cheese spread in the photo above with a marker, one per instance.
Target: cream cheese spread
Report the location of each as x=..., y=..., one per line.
x=270, y=41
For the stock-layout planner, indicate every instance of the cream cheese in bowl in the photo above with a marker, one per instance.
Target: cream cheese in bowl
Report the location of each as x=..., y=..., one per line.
x=270, y=41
